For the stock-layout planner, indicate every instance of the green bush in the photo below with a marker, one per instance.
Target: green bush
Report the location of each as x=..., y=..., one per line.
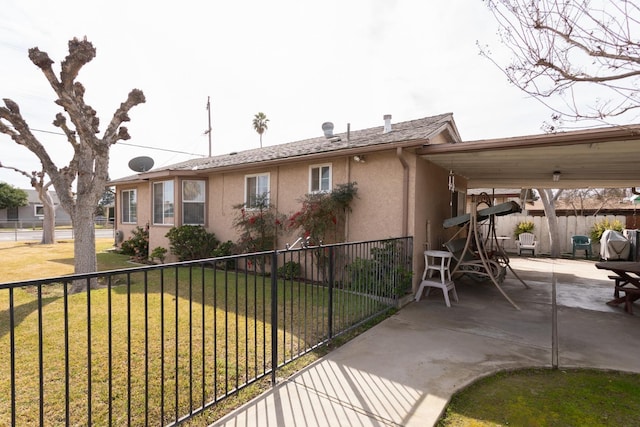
x=523, y=227
x=189, y=242
x=384, y=273
x=290, y=270
x=225, y=249
x=160, y=253
x=137, y=246
x=601, y=226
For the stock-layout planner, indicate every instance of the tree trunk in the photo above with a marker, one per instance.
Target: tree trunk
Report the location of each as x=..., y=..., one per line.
x=84, y=248
x=548, y=201
x=49, y=219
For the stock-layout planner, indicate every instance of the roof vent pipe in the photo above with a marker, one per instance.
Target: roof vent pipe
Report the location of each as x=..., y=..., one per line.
x=348, y=131
x=327, y=128
x=387, y=123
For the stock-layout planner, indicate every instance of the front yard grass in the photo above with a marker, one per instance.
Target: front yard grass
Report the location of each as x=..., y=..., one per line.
x=206, y=323
x=30, y=260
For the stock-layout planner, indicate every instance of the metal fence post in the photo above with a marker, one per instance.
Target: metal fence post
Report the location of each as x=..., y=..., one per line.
x=331, y=280
x=274, y=316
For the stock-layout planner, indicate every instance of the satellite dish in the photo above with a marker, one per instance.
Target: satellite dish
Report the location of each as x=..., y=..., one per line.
x=141, y=164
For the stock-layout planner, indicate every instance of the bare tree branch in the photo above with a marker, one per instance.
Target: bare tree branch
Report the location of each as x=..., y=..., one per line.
x=584, y=52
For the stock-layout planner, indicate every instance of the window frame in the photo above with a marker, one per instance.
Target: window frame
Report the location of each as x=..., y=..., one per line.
x=320, y=167
x=171, y=202
x=202, y=202
x=257, y=176
x=35, y=211
x=135, y=210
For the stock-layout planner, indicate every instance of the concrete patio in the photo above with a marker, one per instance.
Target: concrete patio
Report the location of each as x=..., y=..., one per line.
x=403, y=371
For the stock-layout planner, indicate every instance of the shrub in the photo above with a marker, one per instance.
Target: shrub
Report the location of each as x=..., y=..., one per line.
x=523, y=227
x=321, y=217
x=189, y=242
x=137, y=246
x=225, y=249
x=601, y=226
x=259, y=226
x=290, y=270
x=159, y=253
x=384, y=274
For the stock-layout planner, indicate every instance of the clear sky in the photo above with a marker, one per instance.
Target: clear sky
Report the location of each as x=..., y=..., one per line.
x=300, y=62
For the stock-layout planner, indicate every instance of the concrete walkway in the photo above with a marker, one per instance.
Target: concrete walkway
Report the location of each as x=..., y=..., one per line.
x=403, y=371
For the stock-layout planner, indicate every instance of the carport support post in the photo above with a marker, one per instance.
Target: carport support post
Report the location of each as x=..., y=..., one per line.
x=554, y=323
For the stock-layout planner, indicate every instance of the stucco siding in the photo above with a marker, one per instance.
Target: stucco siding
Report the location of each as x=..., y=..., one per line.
x=377, y=211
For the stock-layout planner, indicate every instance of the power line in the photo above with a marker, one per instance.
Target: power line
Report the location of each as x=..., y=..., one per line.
x=130, y=145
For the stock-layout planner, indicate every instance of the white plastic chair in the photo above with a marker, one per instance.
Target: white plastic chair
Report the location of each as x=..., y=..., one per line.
x=527, y=242
x=437, y=261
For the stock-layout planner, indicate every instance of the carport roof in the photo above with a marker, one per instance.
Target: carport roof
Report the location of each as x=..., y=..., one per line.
x=596, y=158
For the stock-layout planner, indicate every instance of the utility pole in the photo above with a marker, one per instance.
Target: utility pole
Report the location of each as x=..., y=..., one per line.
x=209, y=130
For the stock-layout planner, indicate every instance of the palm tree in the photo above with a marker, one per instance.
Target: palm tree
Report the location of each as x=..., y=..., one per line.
x=260, y=124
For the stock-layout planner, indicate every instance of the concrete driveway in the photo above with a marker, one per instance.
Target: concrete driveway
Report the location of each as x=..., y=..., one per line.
x=403, y=371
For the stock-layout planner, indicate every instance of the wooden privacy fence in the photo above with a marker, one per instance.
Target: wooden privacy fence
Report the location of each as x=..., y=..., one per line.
x=568, y=225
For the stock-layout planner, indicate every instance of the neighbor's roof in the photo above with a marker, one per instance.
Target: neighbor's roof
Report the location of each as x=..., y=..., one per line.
x=32, y=196
x=413, y=132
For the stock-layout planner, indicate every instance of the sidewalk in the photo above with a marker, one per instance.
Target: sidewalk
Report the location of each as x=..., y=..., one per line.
x=403, y=371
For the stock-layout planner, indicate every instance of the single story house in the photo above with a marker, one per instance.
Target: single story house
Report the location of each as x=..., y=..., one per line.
x=399, y=193
x=32, y=214
x=410, y=176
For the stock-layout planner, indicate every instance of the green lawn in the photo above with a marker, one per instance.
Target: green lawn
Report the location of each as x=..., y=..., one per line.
x=543, y=397
x=206, y=323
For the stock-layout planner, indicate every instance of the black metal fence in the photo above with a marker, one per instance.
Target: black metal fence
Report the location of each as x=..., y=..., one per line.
x=158, y=345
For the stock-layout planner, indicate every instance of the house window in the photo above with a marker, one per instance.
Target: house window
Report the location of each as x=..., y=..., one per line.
x=38, y=210
x=256, y=187
x=129, y=207
x=193, y=198
x=163, y=203
x=319, y=178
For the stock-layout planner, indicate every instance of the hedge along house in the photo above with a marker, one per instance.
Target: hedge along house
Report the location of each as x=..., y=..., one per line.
x=399, y=193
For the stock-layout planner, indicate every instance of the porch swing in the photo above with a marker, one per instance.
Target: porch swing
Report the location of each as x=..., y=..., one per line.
x=481, y=258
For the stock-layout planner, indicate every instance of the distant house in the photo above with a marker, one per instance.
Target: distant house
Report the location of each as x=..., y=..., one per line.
x=32, y=214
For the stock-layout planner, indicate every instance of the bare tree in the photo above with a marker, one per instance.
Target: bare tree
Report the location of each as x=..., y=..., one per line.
x=595, y=199
x=88, y=168
x=585, y=53
x=49, y=208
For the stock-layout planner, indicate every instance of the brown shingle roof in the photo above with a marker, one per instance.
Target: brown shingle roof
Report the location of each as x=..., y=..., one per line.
x=412, y=130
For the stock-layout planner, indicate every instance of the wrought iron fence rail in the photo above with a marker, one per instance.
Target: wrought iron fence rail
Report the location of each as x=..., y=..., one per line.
x=161, y=344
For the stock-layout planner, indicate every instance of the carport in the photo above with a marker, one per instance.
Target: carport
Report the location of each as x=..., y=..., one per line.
x=595, y=158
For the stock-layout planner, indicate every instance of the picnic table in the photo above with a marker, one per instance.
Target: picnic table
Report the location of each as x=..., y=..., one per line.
x=626, y=280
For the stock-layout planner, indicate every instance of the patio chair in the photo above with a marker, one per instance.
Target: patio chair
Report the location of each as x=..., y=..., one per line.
x=581, y=243
x=527, y=242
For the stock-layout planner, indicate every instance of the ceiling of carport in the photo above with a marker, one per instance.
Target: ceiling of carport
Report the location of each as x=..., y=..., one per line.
x=596, y=158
